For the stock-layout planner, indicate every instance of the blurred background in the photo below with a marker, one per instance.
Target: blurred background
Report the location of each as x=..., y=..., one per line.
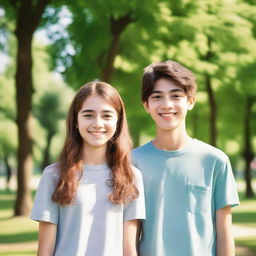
x=49, y=48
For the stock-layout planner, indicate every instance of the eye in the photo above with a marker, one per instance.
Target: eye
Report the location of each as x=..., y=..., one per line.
x=156, y=97
x=88, y=116
x=177, y=96
x=107, y=116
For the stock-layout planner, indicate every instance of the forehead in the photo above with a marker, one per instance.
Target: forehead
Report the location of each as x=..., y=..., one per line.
x=96, y=103
x=166, y=85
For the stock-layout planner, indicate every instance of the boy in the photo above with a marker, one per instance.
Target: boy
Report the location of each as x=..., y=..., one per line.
x=189, y=185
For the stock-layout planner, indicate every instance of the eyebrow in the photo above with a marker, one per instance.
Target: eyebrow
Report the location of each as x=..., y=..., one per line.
x=92, y=111
x=174, y=90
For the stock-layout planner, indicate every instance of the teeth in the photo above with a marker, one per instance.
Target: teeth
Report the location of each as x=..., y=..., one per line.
x=96, y=132
x=167, y=114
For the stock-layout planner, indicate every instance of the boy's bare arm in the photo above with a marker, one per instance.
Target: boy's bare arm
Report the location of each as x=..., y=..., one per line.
x=225, y=241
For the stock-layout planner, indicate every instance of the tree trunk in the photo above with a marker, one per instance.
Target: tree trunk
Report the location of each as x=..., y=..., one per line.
x=28, y=16
x=46, y=159
x=24, y=100
x=135, y=132
x=248, y=153
x=117, y=27
x=213, y=111
x=194, y=119
x=212, y=102
x=8, y=171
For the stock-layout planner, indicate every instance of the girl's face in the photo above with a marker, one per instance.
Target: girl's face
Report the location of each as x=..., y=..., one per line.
x=96, y=122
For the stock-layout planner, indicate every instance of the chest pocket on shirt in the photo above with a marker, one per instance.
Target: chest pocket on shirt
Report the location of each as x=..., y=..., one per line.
x=198, y=199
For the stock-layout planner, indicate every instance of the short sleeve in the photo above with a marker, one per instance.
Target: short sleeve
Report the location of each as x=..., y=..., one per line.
x=136, y=209
x=44, y=208
x=225, y=192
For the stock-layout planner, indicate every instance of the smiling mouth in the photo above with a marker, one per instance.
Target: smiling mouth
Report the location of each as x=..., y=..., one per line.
x=96, y=132
x=167, y=115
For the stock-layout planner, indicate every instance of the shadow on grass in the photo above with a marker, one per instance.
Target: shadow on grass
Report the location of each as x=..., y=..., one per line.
x=6, y=204
x=11, y=253
x=244, y=217
x=7, y=192
x=7, y=199
x=242, y=197
x=250, y=243
x=18, y=238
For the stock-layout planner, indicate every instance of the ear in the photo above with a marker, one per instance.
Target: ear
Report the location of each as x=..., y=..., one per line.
x=191, y=102
x=145, y=105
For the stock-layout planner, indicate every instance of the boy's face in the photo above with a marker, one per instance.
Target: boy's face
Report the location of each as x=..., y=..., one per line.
x=168, y=105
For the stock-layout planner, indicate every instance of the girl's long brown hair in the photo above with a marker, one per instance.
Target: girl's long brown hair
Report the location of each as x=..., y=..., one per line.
x=117, y=154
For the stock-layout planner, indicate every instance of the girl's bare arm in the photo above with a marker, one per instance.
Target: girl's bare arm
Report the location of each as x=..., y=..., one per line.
x=46, y=238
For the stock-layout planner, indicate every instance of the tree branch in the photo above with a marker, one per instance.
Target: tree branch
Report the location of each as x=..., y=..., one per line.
x=118, y=25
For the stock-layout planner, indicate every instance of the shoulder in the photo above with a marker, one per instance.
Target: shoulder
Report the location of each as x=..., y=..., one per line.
x=136, y=172
x=141, y=149
x=210, y=151
x=52, y=171
x=141, y=154
x=137, y=177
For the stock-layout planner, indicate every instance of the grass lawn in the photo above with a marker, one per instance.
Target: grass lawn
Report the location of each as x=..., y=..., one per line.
x=18, y=236
x=245, y=215
x=20, y=253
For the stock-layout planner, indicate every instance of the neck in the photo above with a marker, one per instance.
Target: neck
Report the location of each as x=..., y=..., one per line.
x=172, y=140
x=94, y=155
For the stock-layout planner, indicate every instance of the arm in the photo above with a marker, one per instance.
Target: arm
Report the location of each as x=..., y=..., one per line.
x=225, y=241
x=47, y=238
x=130, y=239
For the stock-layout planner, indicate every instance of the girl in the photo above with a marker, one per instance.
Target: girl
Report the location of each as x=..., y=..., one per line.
x=89, y=203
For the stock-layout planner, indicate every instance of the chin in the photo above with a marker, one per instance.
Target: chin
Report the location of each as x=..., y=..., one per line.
x=96, y=144
x=167, y=128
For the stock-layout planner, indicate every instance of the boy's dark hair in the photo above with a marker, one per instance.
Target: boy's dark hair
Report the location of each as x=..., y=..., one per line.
x=170, y=70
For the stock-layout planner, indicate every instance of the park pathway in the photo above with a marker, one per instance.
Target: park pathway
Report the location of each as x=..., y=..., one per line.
x=18, y=247
x=240, y=231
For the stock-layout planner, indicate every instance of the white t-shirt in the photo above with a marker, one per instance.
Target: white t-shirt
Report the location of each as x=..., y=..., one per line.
x=92, y=225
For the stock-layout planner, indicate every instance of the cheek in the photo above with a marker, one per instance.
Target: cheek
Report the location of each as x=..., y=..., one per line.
x=185, y=105
x=152, y=109
x=114, y=125
x=153, y=105
x=82, y=124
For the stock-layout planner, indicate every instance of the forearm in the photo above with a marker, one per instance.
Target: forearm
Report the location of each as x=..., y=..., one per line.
x=46, y=239
x=130, y=252
x=44, y=251
x=225, y=241
x=130, y=237
x=225, y=246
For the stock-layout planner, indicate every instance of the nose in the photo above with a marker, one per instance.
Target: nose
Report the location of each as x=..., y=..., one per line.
x=98, y=122
x=166, y=103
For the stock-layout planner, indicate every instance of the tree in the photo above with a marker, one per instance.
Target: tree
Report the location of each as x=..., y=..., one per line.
x=8, y=146
x=49, y=112
x=27, y=14
x=94, y=38
x=8, y=129
x=247, y=89
x=199, y=35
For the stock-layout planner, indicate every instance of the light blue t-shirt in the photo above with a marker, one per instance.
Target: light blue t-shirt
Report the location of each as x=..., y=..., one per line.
x=92, y=225
x=183, y=190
